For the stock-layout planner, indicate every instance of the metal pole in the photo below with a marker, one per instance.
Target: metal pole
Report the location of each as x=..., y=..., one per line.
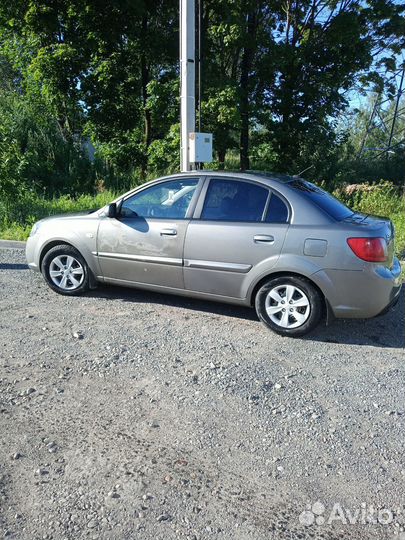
x=187, y=79
x=199, y=62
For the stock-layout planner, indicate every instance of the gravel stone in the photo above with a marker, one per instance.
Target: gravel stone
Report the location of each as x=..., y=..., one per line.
x=164, y=517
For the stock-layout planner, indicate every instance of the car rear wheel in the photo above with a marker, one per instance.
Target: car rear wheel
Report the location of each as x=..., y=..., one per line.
x=289, y=305
x=65, y=270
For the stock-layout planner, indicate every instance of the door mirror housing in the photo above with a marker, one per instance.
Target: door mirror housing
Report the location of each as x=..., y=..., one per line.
x=112, y=210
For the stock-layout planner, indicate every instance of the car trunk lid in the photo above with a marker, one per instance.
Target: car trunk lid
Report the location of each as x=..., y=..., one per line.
x=376, y=227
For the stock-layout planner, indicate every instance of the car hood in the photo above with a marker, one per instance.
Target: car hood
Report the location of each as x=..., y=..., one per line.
x=76, y=215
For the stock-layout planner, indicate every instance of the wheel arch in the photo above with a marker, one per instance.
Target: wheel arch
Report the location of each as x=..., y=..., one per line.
x=326, y=309
x=53, y=243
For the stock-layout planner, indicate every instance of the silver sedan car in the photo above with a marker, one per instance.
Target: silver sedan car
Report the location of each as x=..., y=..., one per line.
x=278, y=243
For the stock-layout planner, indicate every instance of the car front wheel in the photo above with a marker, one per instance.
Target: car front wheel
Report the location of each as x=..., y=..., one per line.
x=290, y=305
x=65, y=270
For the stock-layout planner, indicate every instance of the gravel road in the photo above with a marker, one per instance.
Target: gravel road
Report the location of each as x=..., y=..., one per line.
x=127, y=415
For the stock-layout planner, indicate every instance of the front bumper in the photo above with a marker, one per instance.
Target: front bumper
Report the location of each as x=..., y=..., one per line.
x=31, y=255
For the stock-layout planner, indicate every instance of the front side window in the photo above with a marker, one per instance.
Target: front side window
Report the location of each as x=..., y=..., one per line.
x=232, y=200
x=166, y=200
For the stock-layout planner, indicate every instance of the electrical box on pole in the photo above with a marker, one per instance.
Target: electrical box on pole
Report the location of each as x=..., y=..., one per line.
x=200, y=147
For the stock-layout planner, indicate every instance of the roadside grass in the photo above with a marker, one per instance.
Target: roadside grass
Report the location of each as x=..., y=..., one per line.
x=382, y=199
x=29, y=209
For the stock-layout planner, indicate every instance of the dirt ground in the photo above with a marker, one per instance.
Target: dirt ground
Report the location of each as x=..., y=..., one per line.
x=127, y=415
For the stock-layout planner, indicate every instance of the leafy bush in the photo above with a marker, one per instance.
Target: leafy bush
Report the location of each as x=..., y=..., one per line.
x=34, y=155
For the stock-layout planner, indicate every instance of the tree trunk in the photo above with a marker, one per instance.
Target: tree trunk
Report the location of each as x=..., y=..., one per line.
x=221, y=158
x=246, y=66
x=145, y=78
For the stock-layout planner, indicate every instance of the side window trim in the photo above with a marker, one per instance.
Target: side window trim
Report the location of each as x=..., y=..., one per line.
x=203, y=189
x=196, y=197
x=201, y=199
x=194, y=200
x=203, y=195
x=266, y=206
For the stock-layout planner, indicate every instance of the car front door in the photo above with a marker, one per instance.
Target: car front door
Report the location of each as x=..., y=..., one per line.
x=144, y=243
x=238, y=228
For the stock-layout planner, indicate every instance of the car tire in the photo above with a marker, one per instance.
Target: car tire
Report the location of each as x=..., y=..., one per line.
x=289, y=305
x=65, y=271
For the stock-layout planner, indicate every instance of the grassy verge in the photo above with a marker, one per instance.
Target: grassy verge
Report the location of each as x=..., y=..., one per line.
x=30, y=209
x=380, y=199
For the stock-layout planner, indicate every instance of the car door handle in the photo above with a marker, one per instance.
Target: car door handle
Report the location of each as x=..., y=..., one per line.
x=263, y=239
x=168, y=232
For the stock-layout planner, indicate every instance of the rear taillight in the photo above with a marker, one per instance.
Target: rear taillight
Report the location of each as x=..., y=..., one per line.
x=369, y=249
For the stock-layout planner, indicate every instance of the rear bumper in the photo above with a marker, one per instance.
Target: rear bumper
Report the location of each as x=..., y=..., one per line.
x=364, y=293
x=393, y=302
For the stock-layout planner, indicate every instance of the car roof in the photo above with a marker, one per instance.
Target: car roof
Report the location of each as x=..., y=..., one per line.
x=277, y=177
x=268, y=178
x=280, y=183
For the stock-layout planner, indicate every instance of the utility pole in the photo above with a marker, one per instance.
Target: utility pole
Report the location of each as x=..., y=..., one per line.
x=187, y=79
x=380, y=119
x=397, y=102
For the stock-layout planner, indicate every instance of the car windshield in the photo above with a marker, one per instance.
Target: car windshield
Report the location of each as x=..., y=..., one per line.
x=322, y=199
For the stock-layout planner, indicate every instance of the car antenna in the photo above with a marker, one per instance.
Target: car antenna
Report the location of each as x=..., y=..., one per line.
x=305, y=170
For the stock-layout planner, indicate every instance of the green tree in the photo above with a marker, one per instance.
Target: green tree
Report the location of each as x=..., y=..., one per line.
x=275, y=73
x=325, y=48
x=93, y=63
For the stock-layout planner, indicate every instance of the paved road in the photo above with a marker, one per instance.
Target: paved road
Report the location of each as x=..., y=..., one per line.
x=16, y=244
x=135, y=415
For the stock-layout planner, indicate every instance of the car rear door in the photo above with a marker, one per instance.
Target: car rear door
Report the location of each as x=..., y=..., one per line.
x=238, y=229
x=144, y=244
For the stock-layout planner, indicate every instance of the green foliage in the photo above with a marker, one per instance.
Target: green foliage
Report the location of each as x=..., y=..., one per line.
x=276, y=80
x=164, y=154
x=363, y=158
x=221, y=116
x=33, y=153
x=29, y=208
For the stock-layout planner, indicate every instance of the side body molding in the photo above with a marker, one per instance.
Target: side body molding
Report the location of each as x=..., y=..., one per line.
x=217, y=265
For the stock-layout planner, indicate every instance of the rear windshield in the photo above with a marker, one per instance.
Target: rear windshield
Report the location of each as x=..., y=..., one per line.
x=322, y=199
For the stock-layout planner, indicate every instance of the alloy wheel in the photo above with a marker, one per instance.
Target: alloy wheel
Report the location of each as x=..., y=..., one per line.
x=287, y=306
x=66, y=272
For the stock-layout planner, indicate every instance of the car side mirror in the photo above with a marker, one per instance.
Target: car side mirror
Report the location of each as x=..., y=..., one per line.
x=112, y=210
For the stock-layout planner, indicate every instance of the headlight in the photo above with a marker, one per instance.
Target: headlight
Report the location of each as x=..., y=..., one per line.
x=35, y=228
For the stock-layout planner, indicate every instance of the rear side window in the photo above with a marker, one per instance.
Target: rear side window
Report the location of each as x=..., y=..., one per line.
x=277, y=211
x=324, y=200
x=234, y=200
